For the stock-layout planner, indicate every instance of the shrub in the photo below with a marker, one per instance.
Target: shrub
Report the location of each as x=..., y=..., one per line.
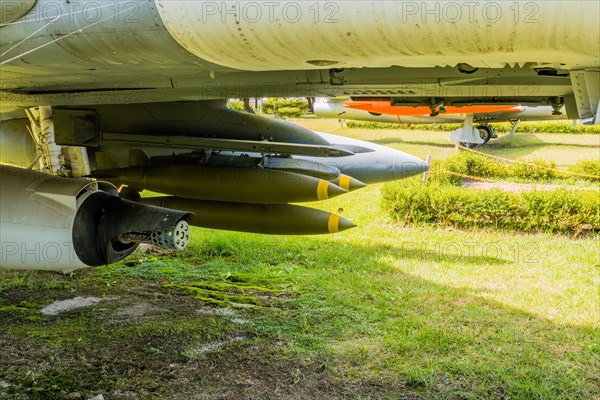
x=541, y=127
x=563, y=211
x=538, y=171
x=236, y=105
x=467, y=164
x=588, y=167
x=284, y=107
x=289, y=112
x=410, y=127
x=269, y=106
x=473, y=164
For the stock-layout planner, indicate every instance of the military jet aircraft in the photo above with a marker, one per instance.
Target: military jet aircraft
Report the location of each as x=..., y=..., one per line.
x=132, y=93
x=382, y=110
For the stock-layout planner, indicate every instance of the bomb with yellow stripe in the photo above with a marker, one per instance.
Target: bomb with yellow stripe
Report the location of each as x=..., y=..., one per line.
x=272, y=219
x=224, y=183
x=245, y=199
x=348, y=183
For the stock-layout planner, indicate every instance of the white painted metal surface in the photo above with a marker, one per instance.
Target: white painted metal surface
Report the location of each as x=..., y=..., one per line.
x=37, y=213
x=335, y=34
x=467, y=133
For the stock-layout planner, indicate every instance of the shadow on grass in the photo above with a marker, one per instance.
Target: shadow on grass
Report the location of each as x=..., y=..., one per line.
x=524, y=144
x=352, y=325
x=519, y=145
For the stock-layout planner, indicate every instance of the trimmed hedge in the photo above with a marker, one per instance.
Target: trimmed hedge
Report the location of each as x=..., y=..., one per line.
x=472, y=164
x=546, y=127
x=563, y=211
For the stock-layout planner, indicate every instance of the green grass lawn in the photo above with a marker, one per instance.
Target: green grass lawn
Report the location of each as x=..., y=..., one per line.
x=377, y=312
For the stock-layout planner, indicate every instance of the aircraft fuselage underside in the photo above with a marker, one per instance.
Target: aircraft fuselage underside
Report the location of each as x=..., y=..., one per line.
x=118, y=53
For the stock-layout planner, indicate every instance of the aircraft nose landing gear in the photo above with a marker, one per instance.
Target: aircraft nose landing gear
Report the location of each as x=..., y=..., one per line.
x=486, y=133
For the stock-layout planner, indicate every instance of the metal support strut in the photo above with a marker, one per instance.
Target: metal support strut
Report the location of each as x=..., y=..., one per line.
x=49, y=154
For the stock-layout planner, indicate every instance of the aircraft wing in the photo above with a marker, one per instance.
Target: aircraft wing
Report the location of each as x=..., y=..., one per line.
x=118, y=52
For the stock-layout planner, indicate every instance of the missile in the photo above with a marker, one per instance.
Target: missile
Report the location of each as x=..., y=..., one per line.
x=368, y=162
x=233, y=184
x=380, y=164
x=272, y=219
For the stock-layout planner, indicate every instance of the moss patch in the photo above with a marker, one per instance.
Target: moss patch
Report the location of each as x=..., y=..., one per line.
x=240, y=294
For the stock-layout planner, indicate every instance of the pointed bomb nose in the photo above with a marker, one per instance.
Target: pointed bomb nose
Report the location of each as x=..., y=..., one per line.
x=406, y=165
x=339, y=224
x=348, y=183
x=327, y=190
x=345, y=224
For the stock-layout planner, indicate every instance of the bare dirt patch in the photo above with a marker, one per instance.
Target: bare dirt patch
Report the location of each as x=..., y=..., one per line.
x=151, y=342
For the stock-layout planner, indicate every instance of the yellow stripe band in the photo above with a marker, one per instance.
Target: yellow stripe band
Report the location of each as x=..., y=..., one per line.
x=345, y=182
x=334, y=223
x=323, y=190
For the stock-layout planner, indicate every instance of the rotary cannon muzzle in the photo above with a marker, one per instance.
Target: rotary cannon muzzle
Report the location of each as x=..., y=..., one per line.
x=109, y=228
